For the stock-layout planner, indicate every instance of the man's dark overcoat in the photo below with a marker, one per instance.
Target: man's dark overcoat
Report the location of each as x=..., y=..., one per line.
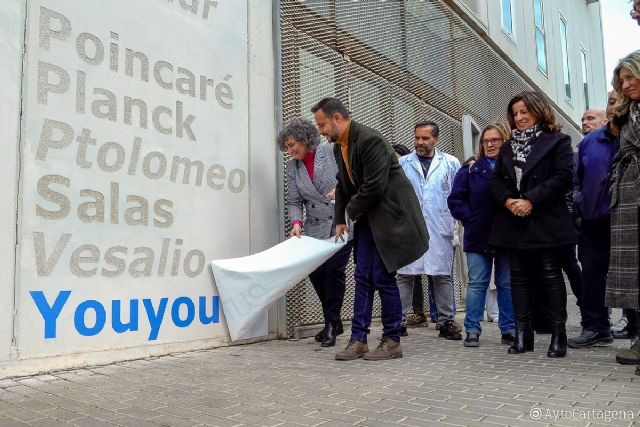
x=383, y=193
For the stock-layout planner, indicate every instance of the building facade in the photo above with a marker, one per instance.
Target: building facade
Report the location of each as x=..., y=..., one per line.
x=456, y=62
x=139, y=142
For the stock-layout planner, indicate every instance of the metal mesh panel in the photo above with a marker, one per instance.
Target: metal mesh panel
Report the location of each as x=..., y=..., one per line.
x=393, y=63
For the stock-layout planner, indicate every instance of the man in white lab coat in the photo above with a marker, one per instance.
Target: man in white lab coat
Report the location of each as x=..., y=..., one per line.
x=431, y=172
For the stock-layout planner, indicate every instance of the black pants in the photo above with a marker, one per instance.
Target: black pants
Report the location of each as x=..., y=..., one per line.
x=573, y=271
x=633, y=321
x=538, y=272
x=418, y=296
x=329, y=282
x=593, y=250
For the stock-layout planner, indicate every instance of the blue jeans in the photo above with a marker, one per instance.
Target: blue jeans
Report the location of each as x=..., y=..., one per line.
x=372, y=275
x=480, y=266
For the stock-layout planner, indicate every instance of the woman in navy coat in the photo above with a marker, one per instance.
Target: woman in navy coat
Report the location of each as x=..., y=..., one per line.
x=533, y=172
x=471, y=203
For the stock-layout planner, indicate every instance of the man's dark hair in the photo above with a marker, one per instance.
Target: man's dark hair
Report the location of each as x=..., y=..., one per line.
x=330, y=106
x=435, y=130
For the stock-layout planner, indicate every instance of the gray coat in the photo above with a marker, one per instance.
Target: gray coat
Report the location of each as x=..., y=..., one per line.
x=623, y=284
x=319, y=219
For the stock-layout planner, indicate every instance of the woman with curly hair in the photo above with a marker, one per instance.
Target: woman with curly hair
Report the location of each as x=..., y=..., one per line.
x=311, y=179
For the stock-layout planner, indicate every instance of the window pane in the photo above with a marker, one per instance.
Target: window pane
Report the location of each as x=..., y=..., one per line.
x=507, y=22
x=565, y=58
x=537, y=13
x=541, y=51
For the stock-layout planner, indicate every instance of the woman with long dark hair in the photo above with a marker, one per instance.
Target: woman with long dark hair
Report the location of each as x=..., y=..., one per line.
x=533, y=173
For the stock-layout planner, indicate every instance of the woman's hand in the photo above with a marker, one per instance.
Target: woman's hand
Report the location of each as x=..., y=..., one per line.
x=509, y=204
x=331, y=195
x=296, y=230
x=521, y=207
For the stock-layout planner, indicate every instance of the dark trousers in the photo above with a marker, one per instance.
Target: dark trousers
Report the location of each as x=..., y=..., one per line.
x=573, y=271
x=372, y=275
x=329, y=282
x=418, y=296
x=633, y=321
x=538, y=272
x=593, y=250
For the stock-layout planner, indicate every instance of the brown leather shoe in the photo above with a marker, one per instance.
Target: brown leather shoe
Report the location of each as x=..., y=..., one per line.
x=629, y=356
x=387, y=349
x=354, y=350
x=416, y=320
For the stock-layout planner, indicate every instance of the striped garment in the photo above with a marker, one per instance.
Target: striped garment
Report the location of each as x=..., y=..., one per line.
x=306, y=200
x=623, y=284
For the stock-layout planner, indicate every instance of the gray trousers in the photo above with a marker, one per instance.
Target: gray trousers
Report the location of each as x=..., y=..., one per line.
x=442, y=293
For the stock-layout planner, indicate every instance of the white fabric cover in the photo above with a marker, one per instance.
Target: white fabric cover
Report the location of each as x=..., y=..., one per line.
x=248, y=285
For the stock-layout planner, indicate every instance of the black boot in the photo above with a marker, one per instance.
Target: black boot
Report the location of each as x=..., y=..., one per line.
x=320, y=335
x=523, y=342
x=558, y=345
x=329, y=339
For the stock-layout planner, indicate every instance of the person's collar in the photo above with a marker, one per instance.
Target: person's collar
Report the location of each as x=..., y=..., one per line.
x=309, y=156
x=344, y=138
x=611, y=129
x=435, y=153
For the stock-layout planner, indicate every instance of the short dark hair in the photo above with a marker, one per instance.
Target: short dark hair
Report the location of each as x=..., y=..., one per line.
x=330, y=106
x=302, y=131
x=401, y=149
x=537, y=105
x=435, y=130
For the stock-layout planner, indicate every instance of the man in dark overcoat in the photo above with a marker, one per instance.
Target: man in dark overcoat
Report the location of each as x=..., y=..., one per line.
x=389, y=230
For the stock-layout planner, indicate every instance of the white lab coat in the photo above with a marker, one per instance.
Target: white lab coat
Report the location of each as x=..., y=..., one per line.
x=432, y=193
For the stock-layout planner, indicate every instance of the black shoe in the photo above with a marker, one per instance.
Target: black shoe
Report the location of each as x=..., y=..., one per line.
x=329, y=339
x=449, y=331
x=522, y=343
x=508, y=339
x=319, y=336
x=403, y=331
x=622, y=334
x=558, y=345
x=472, y=340
x=591, y=339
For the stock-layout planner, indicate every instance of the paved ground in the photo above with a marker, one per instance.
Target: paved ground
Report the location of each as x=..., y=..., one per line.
x=287, y=383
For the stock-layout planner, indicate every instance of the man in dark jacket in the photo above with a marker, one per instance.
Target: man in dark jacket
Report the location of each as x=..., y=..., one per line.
x=592, y=204
x=389, y=230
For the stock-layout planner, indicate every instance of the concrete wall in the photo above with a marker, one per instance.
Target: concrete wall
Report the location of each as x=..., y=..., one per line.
x=146, y=150
x=12, y=19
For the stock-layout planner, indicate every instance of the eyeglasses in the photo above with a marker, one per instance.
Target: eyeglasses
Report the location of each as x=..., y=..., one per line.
x=493, y=141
